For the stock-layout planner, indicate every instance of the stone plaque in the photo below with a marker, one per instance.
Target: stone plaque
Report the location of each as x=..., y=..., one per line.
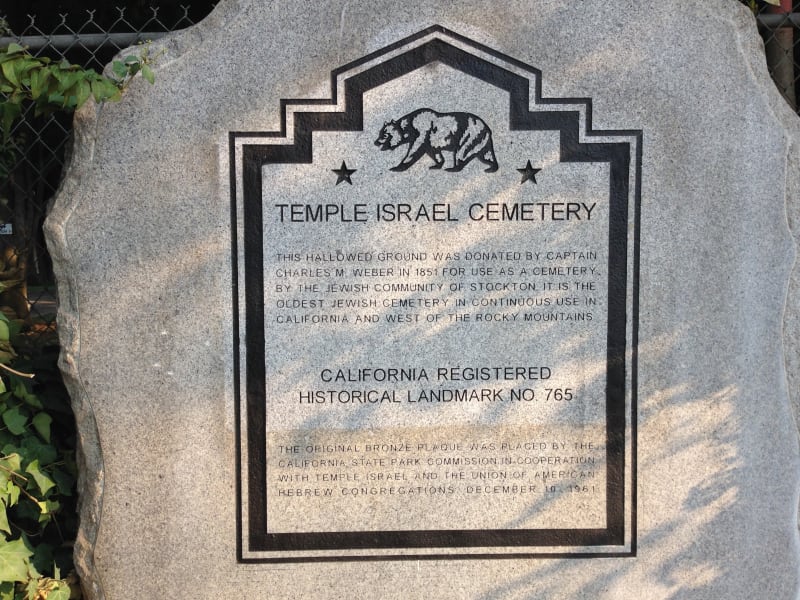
x=437, y=312
x=428, y=299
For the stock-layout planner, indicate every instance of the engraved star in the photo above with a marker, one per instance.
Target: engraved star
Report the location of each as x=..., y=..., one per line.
x=343, y=174
x=528, y=173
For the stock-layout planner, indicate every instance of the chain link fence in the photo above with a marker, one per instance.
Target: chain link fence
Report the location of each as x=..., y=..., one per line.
x=31, y=163
x=31, y=160
x=781, y=34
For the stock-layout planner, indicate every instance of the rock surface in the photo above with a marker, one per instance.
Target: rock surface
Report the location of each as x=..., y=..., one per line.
x=141, y=237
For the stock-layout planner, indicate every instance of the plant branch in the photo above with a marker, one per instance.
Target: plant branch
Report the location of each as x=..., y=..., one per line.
x=17, y=373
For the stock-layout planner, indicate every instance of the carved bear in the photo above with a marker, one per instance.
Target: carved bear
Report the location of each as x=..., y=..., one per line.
x=464, y=136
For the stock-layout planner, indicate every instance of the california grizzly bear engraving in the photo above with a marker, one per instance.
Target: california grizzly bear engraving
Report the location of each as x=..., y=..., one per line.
x=463, y=136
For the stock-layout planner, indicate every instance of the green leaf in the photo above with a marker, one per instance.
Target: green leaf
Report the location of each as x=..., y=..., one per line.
x=15, y=421
x=21, y=391
x=119, y=69
x=41, y=422
x=14, y=48
x=14, y=561
x=31, y=589
x=12, y=462
x=148, y=74
x=7, y=353
x=10, y=113
x=64, y=481
x=23, y=68
x=7, y=440
x=55, y=97
x=15, y=326
x=42, y=556
x=9, y=72
x=105, y=89
x=5, y=334
x=39, y=80
x=68, y=79
x=27, y=512
x=17, y=97
x=60, y=592
x=47, y=509
x=84, y=91
x=4, y=526
x=9, y=450
x=7, y=590
x=12, y=490
x=34, y=448
x=42, y=479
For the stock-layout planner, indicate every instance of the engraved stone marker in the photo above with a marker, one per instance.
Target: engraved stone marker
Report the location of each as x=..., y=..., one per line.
x=368, y=311
x=466, y=335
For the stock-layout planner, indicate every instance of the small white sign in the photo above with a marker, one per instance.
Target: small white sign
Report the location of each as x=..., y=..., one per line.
x=6, y=228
